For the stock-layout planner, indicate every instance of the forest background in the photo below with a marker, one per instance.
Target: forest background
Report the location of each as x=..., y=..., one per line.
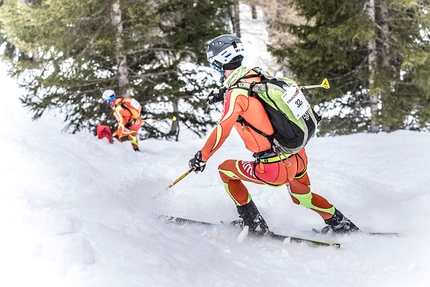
x=375, y=53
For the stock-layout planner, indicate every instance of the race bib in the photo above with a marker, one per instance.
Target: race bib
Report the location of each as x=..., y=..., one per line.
x=296, y=101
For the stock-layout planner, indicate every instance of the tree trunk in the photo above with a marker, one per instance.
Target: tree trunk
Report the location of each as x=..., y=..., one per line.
x=253, y=9
x=33, y=55
x=175, y=123
x=236, y=18
x=121, y=58
x=385, y=61
x=374, y=125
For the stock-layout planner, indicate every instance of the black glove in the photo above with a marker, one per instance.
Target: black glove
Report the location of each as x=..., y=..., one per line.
x=216, y=95
x=306, y=92
x=196, y=163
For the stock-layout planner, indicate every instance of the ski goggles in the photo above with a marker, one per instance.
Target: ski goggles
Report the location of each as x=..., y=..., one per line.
x=110, y=100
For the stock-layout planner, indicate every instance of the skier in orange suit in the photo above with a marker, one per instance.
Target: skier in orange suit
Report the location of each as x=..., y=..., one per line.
x=127, y=113
x=225, y=53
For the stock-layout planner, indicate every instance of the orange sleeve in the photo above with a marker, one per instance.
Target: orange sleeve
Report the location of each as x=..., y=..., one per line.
x=234, y=105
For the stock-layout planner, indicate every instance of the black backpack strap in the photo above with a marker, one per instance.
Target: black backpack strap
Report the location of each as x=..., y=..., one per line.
x=251, y=93
x=244, y=122
x=251, y=87
x=132, y=120
x=259, y=72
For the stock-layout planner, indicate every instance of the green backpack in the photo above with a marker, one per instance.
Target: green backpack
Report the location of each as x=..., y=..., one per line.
x=293, y=119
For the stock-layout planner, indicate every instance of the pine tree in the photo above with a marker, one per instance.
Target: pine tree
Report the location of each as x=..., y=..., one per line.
x=187, y=26
x=335, y=42
x=135, y=47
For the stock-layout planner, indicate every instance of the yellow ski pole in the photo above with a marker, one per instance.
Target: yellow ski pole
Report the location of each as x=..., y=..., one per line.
x=149, y=120
x=180, y=178
x=325, y=84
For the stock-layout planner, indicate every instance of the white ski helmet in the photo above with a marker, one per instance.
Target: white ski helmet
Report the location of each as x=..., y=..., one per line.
x=108, y=96
x=225, y=52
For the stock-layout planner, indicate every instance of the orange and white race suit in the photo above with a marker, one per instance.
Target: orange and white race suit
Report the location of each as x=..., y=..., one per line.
x=128, y=126
x=268, y=168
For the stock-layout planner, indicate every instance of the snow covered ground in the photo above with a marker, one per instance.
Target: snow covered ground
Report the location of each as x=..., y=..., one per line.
x=78, y=211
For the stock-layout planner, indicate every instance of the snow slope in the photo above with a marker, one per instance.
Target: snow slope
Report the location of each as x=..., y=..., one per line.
x=77, y=211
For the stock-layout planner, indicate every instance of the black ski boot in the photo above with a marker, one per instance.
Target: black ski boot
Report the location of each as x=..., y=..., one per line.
x=252, y=218
x=339, y=224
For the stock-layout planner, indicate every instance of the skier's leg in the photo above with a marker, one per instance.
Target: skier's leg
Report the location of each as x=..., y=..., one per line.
x=301, y=193
x=232, y=173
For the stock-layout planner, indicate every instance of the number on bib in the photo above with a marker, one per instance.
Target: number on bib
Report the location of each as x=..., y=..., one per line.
x=296, y=101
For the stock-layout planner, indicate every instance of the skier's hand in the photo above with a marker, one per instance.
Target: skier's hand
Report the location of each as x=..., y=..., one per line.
x=216, y=95
x=306, y=92
x=196, y=163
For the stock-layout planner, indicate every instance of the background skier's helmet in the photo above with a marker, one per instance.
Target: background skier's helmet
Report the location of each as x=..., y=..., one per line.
x=225, y=52
x=108, y=96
